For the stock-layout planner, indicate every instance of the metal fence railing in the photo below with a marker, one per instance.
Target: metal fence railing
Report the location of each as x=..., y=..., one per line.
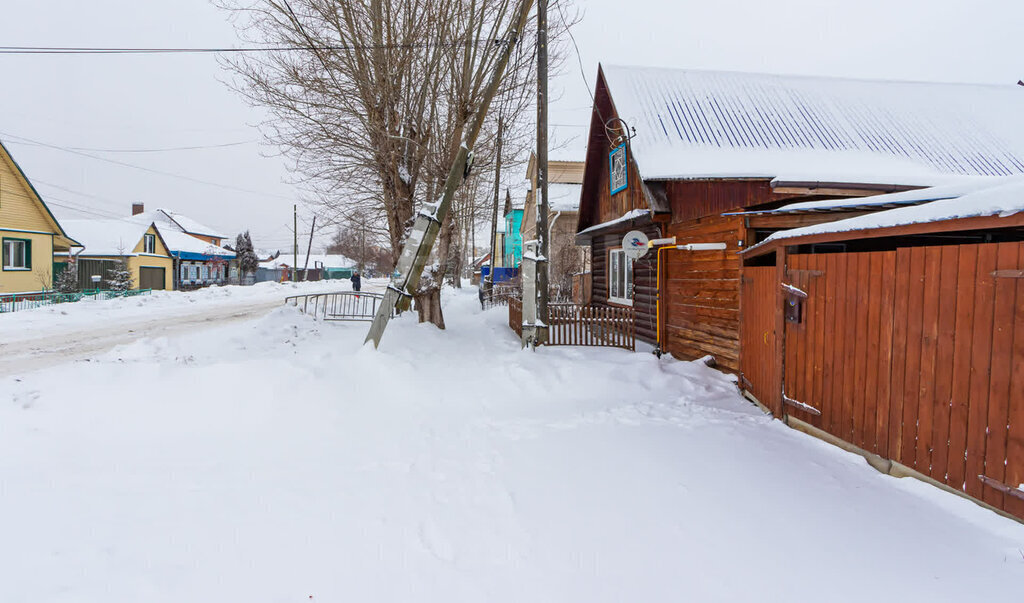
x=343, y=305
x=499, y=294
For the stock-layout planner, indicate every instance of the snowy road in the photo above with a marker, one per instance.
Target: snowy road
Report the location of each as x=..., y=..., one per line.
x=72, y=346
x=277, y=460
x=40, y=339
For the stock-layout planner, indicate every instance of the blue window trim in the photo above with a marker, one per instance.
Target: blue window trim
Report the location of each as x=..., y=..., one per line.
x=625, y=183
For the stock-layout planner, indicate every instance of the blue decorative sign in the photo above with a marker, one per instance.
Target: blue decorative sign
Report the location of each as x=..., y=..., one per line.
x=617, y=169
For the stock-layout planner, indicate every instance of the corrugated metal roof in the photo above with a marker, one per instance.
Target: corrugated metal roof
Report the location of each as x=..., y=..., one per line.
x=692, y=124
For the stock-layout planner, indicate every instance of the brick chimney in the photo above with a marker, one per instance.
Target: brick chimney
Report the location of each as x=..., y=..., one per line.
x=138, y=208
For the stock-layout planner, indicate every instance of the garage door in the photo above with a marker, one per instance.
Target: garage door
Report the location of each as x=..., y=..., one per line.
x=151, y=278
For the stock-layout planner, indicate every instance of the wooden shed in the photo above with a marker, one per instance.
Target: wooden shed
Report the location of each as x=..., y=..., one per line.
x=685, y=154
x=901, y=333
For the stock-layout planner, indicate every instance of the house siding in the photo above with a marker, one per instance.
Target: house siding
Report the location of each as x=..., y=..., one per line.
x=645, y=290
x=40, y=277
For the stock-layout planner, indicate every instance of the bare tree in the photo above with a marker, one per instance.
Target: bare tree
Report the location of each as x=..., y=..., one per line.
x=372, y=103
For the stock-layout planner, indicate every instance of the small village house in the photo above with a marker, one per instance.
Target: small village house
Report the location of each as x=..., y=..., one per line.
x=685, y=154
x=199, y=259
x=315, y=267
x=108, y=241
x=29, y=232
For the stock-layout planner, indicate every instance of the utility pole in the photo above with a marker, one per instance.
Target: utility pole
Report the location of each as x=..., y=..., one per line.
x=536, y=271
x=420, y=242
x=295, y=242
x=489, y=283
x=305, y=267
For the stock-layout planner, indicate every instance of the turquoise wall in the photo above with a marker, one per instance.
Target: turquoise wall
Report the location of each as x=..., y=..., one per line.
x=513, y=238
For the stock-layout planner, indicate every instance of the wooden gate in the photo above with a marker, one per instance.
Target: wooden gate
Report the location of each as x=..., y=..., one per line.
x=758, y=355
x=917, y=355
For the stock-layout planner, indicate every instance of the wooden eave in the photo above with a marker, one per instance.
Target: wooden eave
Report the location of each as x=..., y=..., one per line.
x=657, y=200
x=944, y=226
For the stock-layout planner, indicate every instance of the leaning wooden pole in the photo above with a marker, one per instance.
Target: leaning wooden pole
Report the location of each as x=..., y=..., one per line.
x=420, y=242
x=489, y=281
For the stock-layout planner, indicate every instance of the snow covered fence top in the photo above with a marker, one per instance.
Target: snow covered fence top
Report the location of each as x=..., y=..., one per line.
x=1001, y=197
x=707, y=124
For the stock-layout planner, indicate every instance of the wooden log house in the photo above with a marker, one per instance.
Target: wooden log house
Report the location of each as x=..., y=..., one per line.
x=693, y=151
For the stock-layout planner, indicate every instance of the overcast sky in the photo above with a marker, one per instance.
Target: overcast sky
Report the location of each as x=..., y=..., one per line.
x=121, y=102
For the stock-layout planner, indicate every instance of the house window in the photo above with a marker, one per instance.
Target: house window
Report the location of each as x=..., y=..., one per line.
x=149, y=243
x=17, y=254
x=620, y=278
x=206, y=272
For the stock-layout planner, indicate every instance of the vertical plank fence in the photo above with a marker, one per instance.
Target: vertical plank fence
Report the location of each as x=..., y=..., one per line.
x=590, y=326
x=915, y=354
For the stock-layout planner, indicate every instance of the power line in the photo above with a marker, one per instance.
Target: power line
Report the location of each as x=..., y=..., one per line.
x=224, y=50
x=165, y=149
x=29, y=141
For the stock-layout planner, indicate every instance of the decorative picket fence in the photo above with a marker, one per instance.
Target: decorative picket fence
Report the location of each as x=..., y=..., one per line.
x=589, y=326
x=14, y=302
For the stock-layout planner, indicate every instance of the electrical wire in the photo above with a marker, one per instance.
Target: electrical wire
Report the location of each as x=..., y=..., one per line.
x=224, y=50
x=166, y=149
x=29, y=141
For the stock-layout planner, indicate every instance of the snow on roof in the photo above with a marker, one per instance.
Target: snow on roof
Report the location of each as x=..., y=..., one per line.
x=168, y=220
x=107, y=237
x=178, y=242
x=704, y=124
x=564, y=197
x=331, y=260
x=997, y=197
x=911, y=197
x=191, y=226
x=629, y=215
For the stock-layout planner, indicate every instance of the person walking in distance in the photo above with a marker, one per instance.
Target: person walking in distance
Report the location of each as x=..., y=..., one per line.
x=356, y=281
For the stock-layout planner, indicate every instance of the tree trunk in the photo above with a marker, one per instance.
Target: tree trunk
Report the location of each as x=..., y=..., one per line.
x=428, y=306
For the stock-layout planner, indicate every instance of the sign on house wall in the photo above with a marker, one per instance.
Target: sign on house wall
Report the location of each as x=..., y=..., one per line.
x=617, y=169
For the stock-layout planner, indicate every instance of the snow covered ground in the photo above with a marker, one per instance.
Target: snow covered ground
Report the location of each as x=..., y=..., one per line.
x=44, y=337
x=276, y=459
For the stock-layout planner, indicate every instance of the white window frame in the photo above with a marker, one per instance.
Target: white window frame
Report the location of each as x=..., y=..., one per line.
x=620, y=277
x=10, y=256
x=149, y=243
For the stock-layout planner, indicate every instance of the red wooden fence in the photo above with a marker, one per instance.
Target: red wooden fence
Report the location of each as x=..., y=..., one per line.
x=915, y=354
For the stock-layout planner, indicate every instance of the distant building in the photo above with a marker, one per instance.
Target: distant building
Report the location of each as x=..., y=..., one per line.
x=565, y=185
x=199, y=259
x=318, y=266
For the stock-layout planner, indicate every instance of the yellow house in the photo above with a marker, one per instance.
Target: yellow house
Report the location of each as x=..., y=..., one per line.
x=142, y=246
x=29, y=233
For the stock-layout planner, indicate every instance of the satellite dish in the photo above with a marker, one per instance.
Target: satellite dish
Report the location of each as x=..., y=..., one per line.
x=635, y=244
